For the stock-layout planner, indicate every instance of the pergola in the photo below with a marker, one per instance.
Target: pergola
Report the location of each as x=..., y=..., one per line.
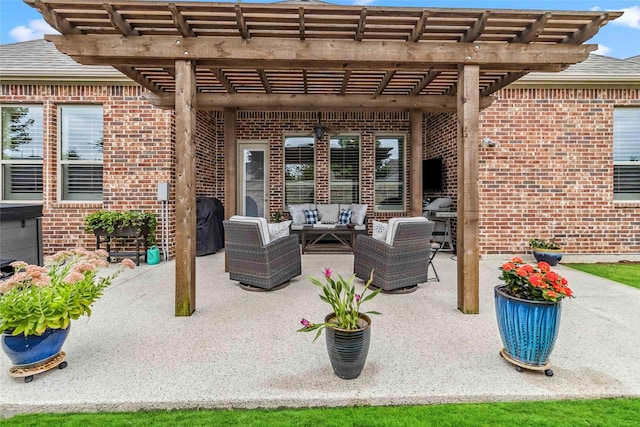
x=309, y=55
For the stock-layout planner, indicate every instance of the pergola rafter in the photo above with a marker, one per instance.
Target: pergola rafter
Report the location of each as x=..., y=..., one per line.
x=293, y=55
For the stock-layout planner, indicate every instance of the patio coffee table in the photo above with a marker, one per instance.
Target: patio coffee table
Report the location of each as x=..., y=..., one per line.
x=345, y=239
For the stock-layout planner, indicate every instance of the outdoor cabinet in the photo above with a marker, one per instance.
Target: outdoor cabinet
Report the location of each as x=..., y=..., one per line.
x=21, y=233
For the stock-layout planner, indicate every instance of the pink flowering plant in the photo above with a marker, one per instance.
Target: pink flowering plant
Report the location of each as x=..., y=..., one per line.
x=531, y=283
x=345, y=302
x=36, y=298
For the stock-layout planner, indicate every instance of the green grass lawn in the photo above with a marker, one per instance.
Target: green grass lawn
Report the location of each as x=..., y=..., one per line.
x=627, y=273
x=604, y=412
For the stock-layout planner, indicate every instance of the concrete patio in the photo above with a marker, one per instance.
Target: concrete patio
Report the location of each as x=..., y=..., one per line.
x=241, y=349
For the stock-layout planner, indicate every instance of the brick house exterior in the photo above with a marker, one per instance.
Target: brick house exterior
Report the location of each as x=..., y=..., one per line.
x=550, y=173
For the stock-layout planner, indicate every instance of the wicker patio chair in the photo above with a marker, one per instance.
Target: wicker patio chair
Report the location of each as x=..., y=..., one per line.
x=257, y=262
x=400, y=263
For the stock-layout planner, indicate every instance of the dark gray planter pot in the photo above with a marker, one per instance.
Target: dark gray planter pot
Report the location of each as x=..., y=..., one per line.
x=348, y=348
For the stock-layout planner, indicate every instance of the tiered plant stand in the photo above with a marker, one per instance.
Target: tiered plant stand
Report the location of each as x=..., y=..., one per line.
x=139, y=237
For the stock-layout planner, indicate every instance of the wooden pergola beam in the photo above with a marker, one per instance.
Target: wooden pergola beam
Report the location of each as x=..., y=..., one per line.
x=424, y=82
x=532, y=31
x=362, y=23
x=116, y=20
x=345, y=82
x=415, y=178
x=139, y=78
x=265, y=81
x=53, y=19
x=385, y=81
x=477, y=28
x=418, y=30
x=185, y=267
x=242, y=23
x=307, y=54
x=224, y=81
x=314, y=102
x=468, y=200
x=180, y=22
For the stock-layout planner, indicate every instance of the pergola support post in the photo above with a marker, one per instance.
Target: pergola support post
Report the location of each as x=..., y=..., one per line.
x=230, y=162
x=185, y=187
x=468, y=201
x=230, y=166
x=415, y=184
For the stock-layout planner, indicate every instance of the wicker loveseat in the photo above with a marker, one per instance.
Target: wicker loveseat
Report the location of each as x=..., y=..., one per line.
x=256, y=261
x=400, y=262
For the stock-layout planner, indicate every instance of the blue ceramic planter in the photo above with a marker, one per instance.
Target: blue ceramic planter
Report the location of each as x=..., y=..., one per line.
x=528, y=328
x=33, y=349
x=550, y=256
x=348, y=349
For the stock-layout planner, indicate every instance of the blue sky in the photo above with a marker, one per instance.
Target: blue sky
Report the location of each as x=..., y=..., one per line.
x=620, y=39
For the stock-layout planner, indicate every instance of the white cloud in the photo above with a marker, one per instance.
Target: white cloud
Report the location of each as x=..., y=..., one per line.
x=36, y=29
x=363, y=2
x=630, y=18
x=595, y=8
x=602, y=50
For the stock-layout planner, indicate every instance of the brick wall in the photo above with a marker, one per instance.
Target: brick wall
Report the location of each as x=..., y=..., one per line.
x=551, y=173
x=274, y=126
x=138, y=153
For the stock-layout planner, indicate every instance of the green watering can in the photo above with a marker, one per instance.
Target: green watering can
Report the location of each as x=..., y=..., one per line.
x=153, y=255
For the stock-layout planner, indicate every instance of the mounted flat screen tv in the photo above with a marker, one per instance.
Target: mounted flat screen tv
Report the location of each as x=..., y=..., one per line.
x=432, y=174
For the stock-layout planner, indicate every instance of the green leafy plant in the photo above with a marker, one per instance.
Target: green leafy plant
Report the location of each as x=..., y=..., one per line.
x=533, y=283
x=36, y=298
x=545, y=244
x=110, y=220
x=344, y=301
x=277, y=216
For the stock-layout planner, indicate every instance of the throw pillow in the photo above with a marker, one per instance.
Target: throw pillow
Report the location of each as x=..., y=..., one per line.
x=297, y=213
x=311, y=216
x=380, y=230
x=328, y=213
x=344, y=217
x=278, y=230
x=358, y=212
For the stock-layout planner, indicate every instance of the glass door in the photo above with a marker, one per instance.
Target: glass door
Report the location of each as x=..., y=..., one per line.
x=253, y=181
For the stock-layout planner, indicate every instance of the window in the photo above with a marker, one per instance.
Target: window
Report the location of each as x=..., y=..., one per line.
x=626, y=154
x=81, y=152
x=299, y=171
x=344, y=179
x=21, y=162
x=389, y=185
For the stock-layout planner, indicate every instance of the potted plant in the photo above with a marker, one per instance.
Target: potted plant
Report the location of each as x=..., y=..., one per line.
x=528, y=312
x=133, y=224
x=38, y=303
x=347, y=329
x=548, y=251
x=114, y=223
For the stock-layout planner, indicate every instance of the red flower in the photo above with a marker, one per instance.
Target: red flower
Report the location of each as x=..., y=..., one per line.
x=552, y=294
x=552, y=276
x=520, y=271
x=517, y=260
x=544, y=267
x=508, y=266
x=536, y=280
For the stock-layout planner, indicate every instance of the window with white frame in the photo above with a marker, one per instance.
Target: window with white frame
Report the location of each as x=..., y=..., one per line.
x=389, y=173
x=299, y=170
x=22, y=152
x=81, y=129
x=344, y=177
x=626, y=153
